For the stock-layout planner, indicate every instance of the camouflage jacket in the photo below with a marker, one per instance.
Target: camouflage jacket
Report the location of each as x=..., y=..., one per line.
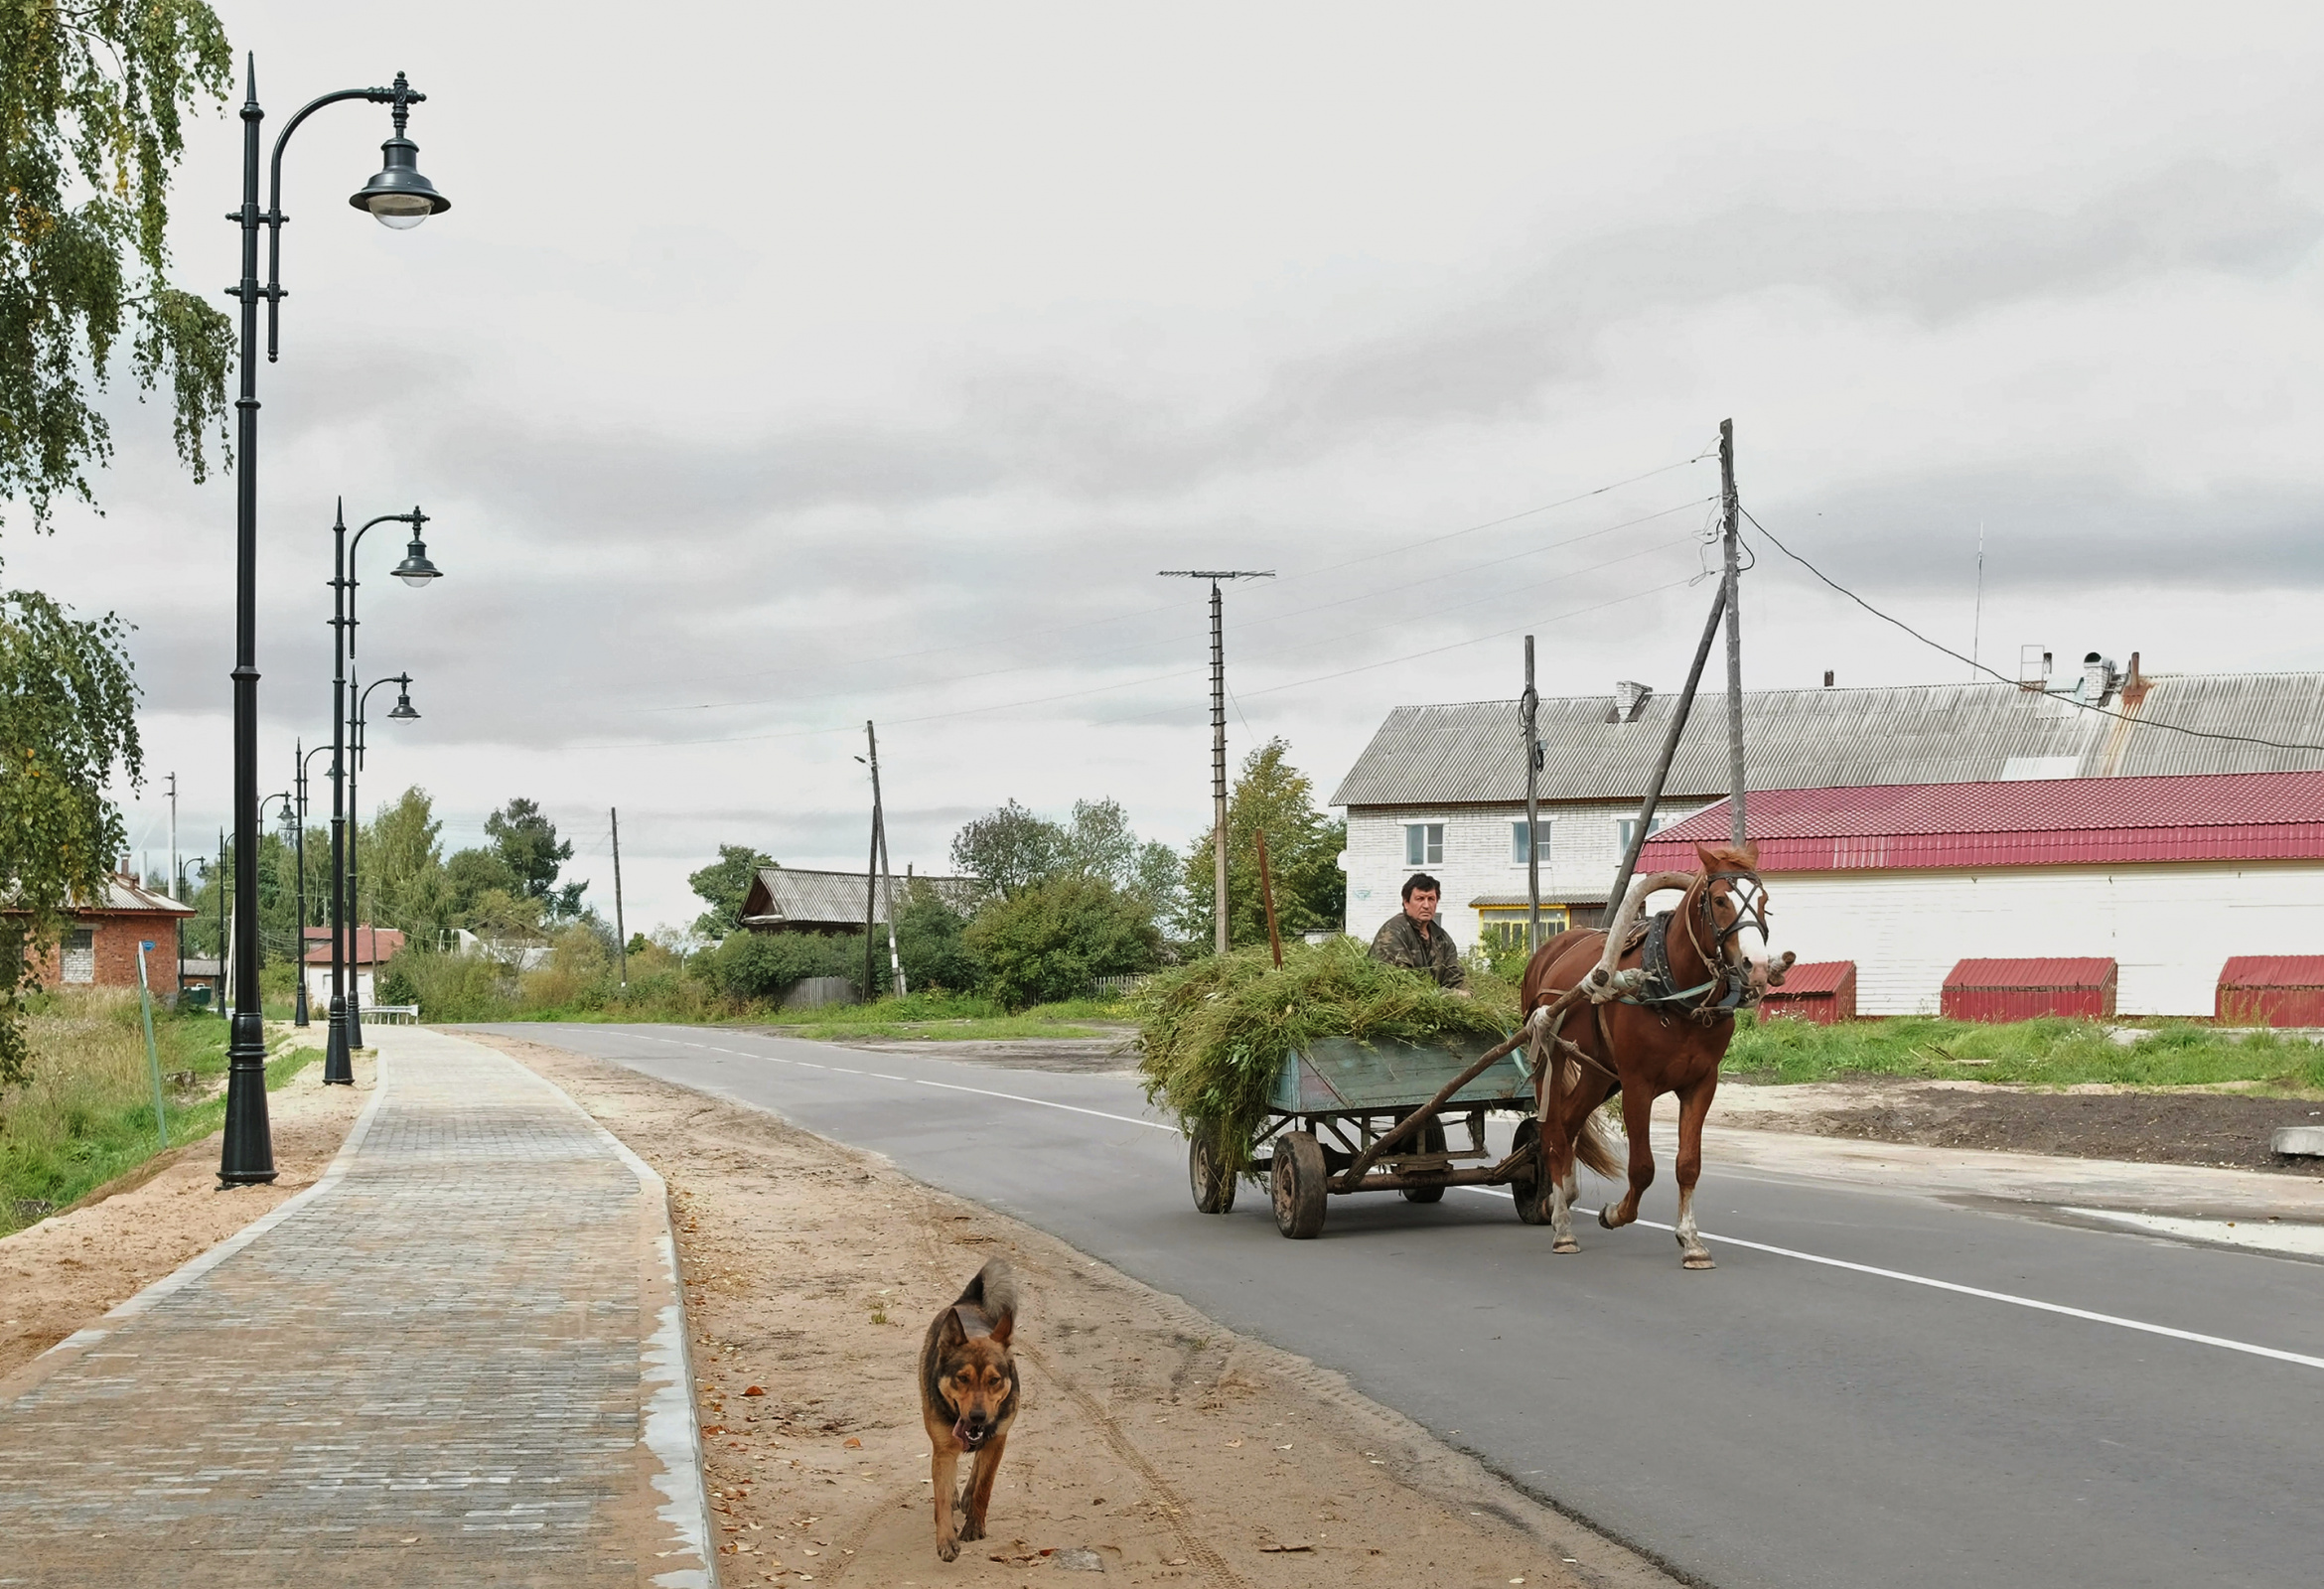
x=1399, y=942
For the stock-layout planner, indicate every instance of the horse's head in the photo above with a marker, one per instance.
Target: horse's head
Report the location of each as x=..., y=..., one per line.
x=1734, y=907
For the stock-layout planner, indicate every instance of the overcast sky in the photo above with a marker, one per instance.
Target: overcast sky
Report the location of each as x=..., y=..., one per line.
x=779, y=367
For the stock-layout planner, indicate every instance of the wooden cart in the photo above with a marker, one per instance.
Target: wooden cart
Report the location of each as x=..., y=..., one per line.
x=1334, y=1103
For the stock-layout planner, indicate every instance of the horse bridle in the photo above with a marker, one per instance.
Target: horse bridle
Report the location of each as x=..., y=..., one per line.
x=1729, y=988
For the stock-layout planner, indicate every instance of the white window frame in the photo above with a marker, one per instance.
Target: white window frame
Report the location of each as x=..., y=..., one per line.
x=1623, y=826
x=1516, y=840
x=1423, y=843
x=68, y=952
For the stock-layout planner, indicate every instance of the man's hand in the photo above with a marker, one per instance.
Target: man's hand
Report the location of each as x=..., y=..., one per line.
x=1460, y=992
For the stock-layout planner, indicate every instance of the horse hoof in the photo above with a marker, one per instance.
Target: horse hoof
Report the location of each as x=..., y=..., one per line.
x=1697, y=1261
x=1565, y=1244
x=1605, y=1218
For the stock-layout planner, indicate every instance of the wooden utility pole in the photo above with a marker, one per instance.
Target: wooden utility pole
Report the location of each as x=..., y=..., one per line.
x=621, y=932
x=1533, y=724
x=887, y=875
x=871, y=868
x=1678, y=715
x=1217, y=734
x=1734, y=592
x=1267, y=898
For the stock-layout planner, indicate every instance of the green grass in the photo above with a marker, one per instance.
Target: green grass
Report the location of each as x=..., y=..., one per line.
x=86, y=1114
x=2044, y=1053
x=951, y=1017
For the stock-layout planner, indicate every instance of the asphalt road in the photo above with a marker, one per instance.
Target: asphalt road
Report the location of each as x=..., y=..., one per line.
x=1780, y=1421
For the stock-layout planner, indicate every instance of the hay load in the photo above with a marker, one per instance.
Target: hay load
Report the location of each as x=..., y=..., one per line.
x=1213, y=1035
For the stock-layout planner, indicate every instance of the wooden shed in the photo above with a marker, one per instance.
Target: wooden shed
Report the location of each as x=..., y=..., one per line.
x=1824, y=992
x=2272, y=991
x=2022, y=990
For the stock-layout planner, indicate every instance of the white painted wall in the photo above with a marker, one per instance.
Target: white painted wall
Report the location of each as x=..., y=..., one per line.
x=319, y=989
x=1579, y=854
x=2169, y=927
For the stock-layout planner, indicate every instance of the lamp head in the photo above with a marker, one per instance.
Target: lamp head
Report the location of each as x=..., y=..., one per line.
x=415, y=570
x=399, y=198
x=405, y=711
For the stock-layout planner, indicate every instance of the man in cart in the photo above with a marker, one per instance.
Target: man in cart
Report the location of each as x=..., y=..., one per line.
x=1411, y=938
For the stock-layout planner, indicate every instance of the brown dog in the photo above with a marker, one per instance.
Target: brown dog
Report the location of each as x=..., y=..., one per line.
x=967, y=1398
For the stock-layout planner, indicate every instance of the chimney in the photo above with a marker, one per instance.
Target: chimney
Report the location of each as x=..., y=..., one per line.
x=1630, y=699
x=2097, y=680
x=2033, y=675
x=1827, y=678
x=2135, y=687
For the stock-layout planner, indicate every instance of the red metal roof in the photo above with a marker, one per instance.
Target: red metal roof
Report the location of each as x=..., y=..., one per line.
x=1820, y=976
x=2042, y=972
x=2274, y=971
x=368, y=946
x=2222, y=816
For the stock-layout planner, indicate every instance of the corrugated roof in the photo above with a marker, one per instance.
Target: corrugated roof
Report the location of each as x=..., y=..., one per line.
x=2035, y=973
x=1819, y=976
x=126, y=895
x=2272, y=971
x=783, y=896
x=366, y=945
x=1470, y=754
x=2231, y=817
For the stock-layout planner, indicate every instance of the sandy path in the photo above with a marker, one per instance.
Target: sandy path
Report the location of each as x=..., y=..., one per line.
x=68, y=1270
x=1163, y=1448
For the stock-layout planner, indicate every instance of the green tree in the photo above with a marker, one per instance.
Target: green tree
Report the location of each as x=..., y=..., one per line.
x=723, y=885
x=1051, y=939
x=68, y=722
x=91, y=96
x=1303, y=853
x=1010, y=849
x=471, y=874
x=932, y=942
x=402, y=867
x=527, y=845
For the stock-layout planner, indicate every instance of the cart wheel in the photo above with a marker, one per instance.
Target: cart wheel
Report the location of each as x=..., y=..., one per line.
x=1299, y=1185
x=1527, y=1185
x=1431, y=1141
x=1207, y=1172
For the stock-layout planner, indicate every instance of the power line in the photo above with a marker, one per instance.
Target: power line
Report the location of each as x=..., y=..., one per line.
x=2088, y=706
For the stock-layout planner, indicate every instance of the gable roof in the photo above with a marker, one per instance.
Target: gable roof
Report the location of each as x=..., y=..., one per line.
x=1471, y=754
x=127, y=896
x=783, y=896
x=365, y=945
x=2231, y=816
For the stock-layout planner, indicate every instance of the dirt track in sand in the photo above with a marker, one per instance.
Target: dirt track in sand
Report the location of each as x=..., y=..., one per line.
x=1169, y=1450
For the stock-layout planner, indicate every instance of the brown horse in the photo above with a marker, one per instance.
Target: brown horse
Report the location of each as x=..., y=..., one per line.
x=1665, y=1030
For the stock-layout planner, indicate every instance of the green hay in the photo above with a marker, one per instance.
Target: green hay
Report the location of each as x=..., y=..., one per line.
x=1215, y=1034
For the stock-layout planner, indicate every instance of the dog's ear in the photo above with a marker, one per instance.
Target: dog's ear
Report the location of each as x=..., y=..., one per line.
x=952, y=1333
x=1001, y=1328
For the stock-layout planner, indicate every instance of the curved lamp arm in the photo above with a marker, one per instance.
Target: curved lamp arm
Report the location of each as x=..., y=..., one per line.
x=402, y=96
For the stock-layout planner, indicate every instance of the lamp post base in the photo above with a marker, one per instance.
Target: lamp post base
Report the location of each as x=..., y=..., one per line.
x=338, y=1061
x=247, y=1157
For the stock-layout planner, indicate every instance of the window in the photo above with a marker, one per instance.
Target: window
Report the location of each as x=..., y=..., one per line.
x=1423, y=843
x=1517, y=841
x=1629, y=825
x=80, y=954
x=1503, y=926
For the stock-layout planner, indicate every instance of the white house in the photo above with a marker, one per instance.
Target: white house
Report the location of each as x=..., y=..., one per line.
x=1441, y=789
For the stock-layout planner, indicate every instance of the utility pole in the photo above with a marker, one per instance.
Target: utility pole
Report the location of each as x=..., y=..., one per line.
x=1532, y=717
x=879, y=878
x=1218, y=733
x=177, y=891
x=621, y=933
x=222, y=921
x=1734, y=514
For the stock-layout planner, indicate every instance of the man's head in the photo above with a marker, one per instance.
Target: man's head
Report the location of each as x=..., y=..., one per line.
x=1421, y=893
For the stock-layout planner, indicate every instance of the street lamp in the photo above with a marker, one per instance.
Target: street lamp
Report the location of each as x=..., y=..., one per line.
x=399, y=196
x=402, y=713
x=415, y=569
x=299, y=1014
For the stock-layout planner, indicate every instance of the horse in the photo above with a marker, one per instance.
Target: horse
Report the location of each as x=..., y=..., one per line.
x=1658, y=1025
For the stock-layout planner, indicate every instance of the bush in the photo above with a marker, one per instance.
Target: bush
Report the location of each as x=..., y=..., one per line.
x=931, y=939
x=766, y=965
x=447, y=987
x=1054, y=939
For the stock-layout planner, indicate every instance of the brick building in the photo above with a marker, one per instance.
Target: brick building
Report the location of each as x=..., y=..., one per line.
x=98, y=947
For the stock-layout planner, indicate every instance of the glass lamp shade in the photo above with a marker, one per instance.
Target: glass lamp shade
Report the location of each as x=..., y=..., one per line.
x=405, y=711
x=401, y=198
x=415, y=570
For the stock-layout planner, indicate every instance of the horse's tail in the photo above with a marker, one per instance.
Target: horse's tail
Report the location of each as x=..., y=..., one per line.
x=1595, y=1148
x=1559, y=1075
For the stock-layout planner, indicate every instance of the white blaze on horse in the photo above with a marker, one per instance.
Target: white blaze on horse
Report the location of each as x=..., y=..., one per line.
x=1661, y=1004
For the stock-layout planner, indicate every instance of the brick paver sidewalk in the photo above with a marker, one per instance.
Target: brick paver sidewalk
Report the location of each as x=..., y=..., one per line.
x=458, y=1359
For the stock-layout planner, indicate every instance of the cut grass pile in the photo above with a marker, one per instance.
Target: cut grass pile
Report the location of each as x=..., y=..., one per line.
x=2044, y=1053
x=86, y=1114
x=1215, y=1034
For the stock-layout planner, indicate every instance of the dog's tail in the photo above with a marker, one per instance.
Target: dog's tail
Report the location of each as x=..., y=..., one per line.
x=994, y=1291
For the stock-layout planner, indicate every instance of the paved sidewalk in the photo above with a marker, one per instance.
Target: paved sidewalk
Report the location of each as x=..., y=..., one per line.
x=457, y=1360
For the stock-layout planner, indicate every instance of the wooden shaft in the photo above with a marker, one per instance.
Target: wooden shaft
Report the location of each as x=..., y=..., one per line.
x=1267, y=898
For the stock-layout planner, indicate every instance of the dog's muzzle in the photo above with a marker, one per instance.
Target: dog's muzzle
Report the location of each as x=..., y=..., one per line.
x=970, y=1435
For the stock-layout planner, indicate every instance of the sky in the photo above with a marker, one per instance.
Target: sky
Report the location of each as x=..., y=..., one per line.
x=779, y=367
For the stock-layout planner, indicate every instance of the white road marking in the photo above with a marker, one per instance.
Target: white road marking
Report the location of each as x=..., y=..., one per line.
x=2035, y=1303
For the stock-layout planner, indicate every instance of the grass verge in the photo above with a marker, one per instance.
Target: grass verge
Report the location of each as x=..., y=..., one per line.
x=86, y=1114
x=951, y=1017
x=2044, y=1053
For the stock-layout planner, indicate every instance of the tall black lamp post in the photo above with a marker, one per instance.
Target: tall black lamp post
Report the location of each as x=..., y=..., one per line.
x=299, y=1015
x=401, y=713
x=415, y=570
x=398, y=197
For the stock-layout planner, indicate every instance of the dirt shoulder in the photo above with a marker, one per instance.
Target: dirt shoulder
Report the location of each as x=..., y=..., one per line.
x=69, y=1270
x=1161, y=1447
x=2218, y=1127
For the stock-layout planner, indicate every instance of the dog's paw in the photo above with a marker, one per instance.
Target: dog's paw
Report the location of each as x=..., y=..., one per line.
x=974, y=1530
x=948, y=1550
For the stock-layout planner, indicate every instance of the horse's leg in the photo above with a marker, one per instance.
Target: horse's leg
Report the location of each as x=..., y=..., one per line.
x=1638, y=1111
x=1693, y=1108
x=1558, y=1166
